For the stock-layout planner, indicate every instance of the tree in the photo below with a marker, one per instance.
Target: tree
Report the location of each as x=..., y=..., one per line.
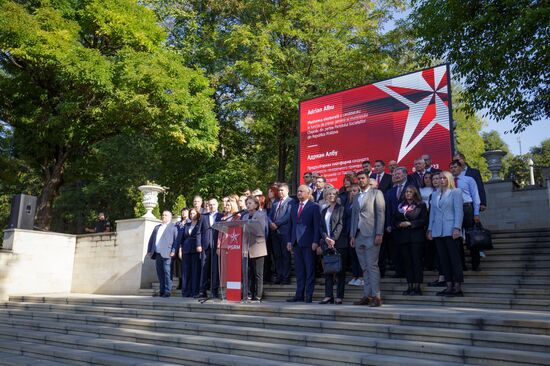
x=499, y=49
x=264, y=57
x=467, y=132
x=73, y=74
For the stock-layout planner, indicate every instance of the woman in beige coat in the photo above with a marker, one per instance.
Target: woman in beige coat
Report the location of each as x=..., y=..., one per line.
x=257, y=249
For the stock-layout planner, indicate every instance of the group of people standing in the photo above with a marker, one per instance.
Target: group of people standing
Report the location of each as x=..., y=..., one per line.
x=376, y=218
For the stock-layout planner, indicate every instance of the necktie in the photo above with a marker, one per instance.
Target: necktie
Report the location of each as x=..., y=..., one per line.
x=456, y=182
x=278, y=209
x=399, y=189
x=300, y=209
x=378, y=178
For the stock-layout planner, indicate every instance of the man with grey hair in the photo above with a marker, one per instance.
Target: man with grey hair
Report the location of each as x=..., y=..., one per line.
x=366, y=230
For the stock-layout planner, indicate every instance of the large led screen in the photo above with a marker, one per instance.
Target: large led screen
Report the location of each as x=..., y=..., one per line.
x=396, y=119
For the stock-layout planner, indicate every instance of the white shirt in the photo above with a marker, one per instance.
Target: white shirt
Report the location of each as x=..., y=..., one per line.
x=212, y=217
x=159, y=235
x=362, y=195
x=328, y=215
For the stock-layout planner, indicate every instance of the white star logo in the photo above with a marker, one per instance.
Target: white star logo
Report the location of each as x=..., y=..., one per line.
x=415, y=92
x=234, y=237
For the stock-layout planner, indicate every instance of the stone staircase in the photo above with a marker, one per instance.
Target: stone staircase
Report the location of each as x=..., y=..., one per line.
x=504, y=319
x=106, y=330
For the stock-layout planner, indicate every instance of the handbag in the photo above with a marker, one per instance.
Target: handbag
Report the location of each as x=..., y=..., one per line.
x=479, y=237
x=332, y=262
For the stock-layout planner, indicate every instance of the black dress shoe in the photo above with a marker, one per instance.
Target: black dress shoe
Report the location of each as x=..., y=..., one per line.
x=308, y=300
x=328, y=300
x=363, y=301
x=277, y=282
x=156, y=294
x=256, y=299
x=295, y=299
x=408, y=291
x=458, y=293
x=166, y=294
x=416, y=292
x=338, y=302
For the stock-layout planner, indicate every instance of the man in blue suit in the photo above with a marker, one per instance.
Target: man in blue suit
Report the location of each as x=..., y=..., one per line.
x=162, y=246
x=392, y=197
x=209, y=257
x=279, y=224
x=305, y=218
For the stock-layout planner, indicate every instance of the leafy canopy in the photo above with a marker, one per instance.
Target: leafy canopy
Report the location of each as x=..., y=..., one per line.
x=499, y=50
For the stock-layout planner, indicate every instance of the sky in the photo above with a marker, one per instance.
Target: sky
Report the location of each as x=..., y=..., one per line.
x=532, y=136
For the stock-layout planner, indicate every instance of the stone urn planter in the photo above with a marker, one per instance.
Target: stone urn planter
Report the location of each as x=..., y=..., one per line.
x=150, y=198
x=494, y=162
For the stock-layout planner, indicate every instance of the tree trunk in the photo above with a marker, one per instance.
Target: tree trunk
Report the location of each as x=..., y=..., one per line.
x=52, y=180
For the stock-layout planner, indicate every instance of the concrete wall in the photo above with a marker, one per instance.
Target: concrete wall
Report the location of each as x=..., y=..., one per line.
x=114, y=263
x=508, y=208
x=36, y=262
x=33, y=262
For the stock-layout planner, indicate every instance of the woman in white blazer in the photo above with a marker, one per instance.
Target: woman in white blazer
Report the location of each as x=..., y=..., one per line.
x=445, y=227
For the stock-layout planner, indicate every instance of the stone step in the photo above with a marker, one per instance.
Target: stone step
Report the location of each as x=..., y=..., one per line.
x=13, y=357
x=182, y=349
x=286, y=330
x=490, y=291
x=121, y=349
x=528, y=322
x=306, y=347
x=23, y=352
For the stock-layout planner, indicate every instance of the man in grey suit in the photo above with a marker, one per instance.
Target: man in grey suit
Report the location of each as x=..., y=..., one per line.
x=366, y=230
x=162, y=246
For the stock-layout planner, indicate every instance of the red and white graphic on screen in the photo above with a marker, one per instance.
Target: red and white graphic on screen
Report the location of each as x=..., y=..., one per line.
x=425, y=93
x=396, y=119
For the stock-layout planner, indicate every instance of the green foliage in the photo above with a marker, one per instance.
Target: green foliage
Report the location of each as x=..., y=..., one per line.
x=77, y=73
x=499, y=49
x=264, y=57
x=179, y=203
x=467, y=132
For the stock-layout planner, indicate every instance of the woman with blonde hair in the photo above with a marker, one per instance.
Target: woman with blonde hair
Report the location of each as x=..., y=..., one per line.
x=445, y=227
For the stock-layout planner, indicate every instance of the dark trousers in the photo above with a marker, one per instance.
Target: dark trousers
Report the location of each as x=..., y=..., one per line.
x=304, y=263
x=256, y=277
x=190, y=274
x=163, y=273
x=467, y=224
x=356, y=269
x=412, y=256
x=268, y=259
x=383, y=258
x=209, y=271
x=345, y=254
x=449, y=250
x=281, y=256
x=431, y=261
x=397, y=259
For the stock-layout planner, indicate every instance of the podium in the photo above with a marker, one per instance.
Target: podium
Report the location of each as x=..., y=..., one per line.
x=235, y=239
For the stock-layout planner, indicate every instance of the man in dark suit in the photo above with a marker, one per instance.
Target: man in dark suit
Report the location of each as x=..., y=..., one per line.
x=162, y=247
x=319, y=188
x=279, y=224
x=474, y=173
x=383, y=179
x=305, y=218
x=417, y=178
x=209, y=257
x=429, y=167
x=393, y=196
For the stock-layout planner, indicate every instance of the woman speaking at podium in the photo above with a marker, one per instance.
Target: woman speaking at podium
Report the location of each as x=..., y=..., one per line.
x=257, y=249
